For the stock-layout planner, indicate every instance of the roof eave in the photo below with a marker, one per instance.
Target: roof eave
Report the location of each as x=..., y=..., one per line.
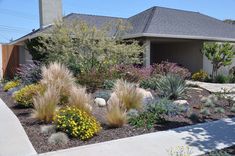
x=204, y=38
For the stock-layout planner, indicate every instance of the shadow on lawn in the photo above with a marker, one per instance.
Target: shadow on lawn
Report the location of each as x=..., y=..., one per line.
x=211, y=135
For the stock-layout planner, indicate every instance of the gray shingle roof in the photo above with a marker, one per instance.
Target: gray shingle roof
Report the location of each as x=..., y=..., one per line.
x=164, y=22
x=171, y=22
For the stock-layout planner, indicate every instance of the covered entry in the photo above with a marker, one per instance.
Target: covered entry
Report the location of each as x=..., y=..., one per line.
x=186, y=53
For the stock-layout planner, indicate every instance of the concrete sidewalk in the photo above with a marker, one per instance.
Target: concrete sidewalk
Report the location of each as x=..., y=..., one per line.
x=214, y=87
x=13, y=139
x=200, y=138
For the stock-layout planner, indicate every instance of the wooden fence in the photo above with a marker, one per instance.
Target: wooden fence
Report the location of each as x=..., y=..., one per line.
x=10, y=60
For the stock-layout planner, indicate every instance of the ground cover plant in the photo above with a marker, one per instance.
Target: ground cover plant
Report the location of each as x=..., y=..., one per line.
x=24, y=97
x=76, y=123
x=11, y=84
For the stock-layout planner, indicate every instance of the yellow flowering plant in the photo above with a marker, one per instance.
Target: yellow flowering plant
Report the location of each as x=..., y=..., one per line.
x=24, y=97
x=11, y=84
x=76, y=123
x=200, y=76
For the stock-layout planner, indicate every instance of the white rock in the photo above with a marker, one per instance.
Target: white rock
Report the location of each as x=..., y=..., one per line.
x=181, y=102
x=147, y=96
x=100, y=102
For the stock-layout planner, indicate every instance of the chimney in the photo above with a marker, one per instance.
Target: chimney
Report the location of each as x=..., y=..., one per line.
x=49, y=11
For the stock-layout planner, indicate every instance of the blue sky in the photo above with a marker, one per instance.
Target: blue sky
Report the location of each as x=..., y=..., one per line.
x=19, y=17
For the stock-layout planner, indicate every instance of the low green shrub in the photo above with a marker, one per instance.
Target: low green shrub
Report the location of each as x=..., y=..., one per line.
x=108, y=84
x=149, y=83
x=194, y=117
x=92, y=80
x=233, y=108
x=76, y=123
x=145, y=119
x=11, y=84
x=154, y=113
x=200, y=76
x=221, y=79
x=219, y=110
x=171, y=87
x=205, y=111
x=24, y=97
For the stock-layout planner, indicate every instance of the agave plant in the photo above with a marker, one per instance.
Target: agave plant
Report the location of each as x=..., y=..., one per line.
x=171, y=87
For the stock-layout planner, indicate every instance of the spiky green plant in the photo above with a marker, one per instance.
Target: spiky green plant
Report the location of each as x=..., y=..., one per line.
x=171, y=87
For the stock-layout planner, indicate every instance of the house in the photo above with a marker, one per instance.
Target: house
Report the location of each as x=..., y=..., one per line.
x=169, y=34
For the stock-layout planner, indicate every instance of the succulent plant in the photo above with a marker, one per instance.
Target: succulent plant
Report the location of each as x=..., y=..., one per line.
x=58, y=139
x=233, y=109
x=219, y=110
x=205, y=112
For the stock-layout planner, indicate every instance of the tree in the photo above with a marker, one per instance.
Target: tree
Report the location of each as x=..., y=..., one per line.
x=84, y=48
x=220, y=54
x=229, y=21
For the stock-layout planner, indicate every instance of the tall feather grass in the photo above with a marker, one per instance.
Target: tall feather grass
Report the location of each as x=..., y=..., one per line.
x=80, y=99
x=58, y=75
x=128, y=95
x=116, y=113
x=45, y=104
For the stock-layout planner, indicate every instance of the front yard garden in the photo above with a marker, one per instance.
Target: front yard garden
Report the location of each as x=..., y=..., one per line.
x=57, y=104
x=87, y=88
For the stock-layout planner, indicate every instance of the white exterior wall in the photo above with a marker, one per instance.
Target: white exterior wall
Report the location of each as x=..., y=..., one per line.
x=207, y=66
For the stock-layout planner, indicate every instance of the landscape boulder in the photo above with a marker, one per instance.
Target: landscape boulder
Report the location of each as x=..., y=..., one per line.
x=100, y=102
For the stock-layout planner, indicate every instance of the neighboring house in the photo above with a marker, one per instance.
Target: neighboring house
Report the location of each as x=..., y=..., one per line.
x=169, y=34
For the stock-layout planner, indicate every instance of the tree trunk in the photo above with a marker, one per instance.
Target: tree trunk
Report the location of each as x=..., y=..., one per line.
x=214, y=72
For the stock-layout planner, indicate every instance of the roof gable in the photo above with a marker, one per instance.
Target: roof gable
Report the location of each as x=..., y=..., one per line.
x=160, y=22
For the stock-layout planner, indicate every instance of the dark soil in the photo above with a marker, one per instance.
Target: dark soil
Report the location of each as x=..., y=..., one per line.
x=40, y=141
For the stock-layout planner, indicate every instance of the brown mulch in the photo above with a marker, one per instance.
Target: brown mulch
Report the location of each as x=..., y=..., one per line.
x=40, y=141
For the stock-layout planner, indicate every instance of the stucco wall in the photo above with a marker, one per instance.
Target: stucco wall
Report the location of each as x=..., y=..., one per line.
x=25, y=56
x=185, y=53
x=207, y=66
